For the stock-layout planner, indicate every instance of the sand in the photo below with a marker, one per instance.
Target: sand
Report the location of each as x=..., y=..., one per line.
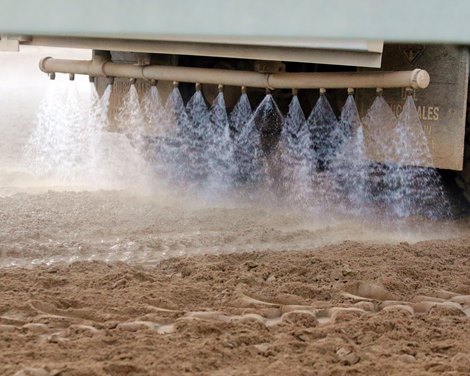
x=111, y=283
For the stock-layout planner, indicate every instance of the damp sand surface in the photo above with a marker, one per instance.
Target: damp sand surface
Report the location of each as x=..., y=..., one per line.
x=114, y=283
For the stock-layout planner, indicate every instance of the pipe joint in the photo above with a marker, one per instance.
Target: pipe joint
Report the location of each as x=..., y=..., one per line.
x=97, y=66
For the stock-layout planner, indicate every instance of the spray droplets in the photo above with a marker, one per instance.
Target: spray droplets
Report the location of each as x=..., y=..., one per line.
x=59, y=147
x=319, y=164
x=72, y=147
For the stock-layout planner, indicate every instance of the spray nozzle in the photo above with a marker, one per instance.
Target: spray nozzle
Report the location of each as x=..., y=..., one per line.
x=409, y=91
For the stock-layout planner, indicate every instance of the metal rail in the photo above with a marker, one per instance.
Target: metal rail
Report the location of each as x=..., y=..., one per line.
x=350, y=53
x=100, y=67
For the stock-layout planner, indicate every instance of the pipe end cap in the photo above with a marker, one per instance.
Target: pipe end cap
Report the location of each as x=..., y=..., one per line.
x=420, y=79
x=42, y=64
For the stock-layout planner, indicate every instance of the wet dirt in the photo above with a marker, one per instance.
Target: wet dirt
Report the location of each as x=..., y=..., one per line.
x=111, y=283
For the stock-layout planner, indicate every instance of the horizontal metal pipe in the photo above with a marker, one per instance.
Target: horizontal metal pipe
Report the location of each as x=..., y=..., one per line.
x=206, y=75
x=63, y=66
x=99, y=67
x=416, y=79
x=123, y=70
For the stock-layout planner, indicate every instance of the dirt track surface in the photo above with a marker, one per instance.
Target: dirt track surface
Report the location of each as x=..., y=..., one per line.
x=273, y=295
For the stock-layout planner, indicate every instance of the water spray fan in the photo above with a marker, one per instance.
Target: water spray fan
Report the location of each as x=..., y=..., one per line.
x=318, y=161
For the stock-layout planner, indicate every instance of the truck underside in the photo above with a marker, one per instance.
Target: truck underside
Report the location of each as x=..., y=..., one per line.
x=279, y=60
